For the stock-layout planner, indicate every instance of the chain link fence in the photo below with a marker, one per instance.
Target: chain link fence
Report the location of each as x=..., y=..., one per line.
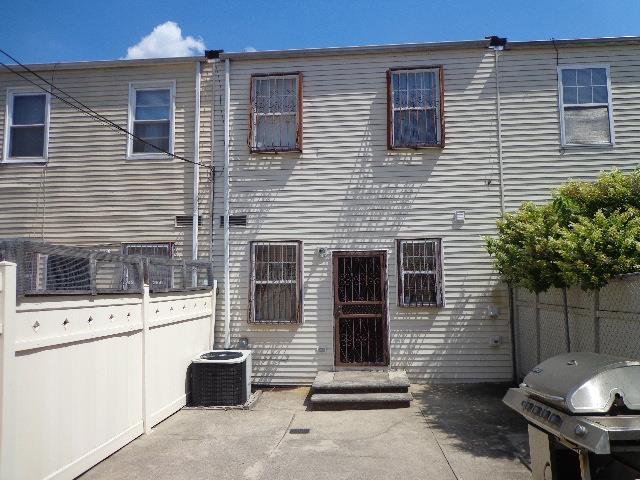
x=48, y=269
x=604, y=321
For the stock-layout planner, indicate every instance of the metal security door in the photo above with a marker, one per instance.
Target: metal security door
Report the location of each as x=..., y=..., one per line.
x=360, y=308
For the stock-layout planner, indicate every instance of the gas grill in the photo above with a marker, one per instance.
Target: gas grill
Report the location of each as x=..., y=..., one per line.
x=583, y=411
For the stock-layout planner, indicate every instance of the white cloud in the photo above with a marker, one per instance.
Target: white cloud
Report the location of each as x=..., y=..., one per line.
x=249, y=49
x=166, y=40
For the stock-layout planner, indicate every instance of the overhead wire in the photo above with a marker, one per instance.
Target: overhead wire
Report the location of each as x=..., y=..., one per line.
x=82, y=108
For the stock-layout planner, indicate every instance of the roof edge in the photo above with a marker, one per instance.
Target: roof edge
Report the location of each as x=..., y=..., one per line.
x=567, y=42
x=399, y=47
x=409, y=47
x=112, y=63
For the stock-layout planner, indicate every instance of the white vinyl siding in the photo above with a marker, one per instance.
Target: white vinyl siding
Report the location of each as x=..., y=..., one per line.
x=90, y=194
x=27, y=126
x=585, y=105
x=151, y=107
x=347, y=191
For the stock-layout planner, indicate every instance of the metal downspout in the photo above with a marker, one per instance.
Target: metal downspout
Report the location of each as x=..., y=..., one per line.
x=496, y=53
x=196, y=166
x=227, y=296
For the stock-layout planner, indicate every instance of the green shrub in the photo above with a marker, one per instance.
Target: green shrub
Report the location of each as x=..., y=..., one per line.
x=524, y=250
x=588, y=233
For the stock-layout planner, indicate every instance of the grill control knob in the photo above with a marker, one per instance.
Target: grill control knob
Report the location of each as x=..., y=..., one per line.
x=555, y=419
x=580, y=431
x=536, y=410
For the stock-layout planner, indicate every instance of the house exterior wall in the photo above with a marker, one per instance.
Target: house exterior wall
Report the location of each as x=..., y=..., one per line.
x=346, y=191
x=88, y=193
x=534, y=161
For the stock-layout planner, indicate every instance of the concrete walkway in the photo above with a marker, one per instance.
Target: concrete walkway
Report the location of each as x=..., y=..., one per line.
x=449, y=432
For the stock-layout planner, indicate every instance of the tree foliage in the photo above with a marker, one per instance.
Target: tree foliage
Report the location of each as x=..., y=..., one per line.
x=588, y=233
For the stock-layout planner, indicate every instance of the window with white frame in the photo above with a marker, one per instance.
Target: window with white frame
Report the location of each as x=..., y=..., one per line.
x=276, y=282
x=27, y=131
x=585, y=105
x=276, y=123
x=415, y=108
x=420, y=273
x=151, y=108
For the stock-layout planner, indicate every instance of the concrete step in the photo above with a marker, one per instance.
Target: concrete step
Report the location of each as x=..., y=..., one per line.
x=352, y=401
x=352, y=382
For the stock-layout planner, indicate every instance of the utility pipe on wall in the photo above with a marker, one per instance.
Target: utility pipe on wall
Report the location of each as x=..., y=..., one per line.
x=496, y=53
x=227, y=295
x=196, y=166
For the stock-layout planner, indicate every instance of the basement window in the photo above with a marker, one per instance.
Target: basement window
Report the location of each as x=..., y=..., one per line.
x=276, y=282
x=420, y=273
x=161, y=276
x=28, y=126
x=585, y=105
x=415, y=108
x=276, y=113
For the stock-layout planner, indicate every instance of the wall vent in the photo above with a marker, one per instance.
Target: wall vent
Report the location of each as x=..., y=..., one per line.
x=187, y=220
x=234, y=221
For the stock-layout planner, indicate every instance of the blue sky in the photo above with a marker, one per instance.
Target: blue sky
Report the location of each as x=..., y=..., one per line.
x=68, y=30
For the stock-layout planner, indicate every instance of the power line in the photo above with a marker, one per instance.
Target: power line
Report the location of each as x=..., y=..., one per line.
x=81, y=107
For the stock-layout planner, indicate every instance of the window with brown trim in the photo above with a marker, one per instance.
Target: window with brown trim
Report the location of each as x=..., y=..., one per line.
x=276, y=282
x=276, y=113
x=415, y=107
x=420, y=273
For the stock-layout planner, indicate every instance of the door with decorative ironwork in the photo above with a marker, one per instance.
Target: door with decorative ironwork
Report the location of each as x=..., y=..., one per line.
x=360, y=308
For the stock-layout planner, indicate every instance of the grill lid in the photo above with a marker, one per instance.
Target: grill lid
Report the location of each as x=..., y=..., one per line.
x=584, y=382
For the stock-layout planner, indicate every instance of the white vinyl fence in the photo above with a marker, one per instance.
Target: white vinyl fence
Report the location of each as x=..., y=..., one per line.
x=84, y=375
x=605, y=321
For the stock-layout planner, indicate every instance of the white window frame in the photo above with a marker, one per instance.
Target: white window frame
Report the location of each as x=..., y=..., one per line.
x=13, y=92
x=151, y=85
x=439, y=272
x=561, y=106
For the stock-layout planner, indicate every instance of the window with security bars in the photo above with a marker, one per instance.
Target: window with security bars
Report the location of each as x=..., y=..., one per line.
x=585, y=105
x=275, y=282
x=415, y=108
x=420, y=273
x=151, y=115
x=276, y=113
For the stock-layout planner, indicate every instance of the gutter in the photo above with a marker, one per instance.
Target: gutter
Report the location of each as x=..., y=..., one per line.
x=196, y=167
x=227, y=296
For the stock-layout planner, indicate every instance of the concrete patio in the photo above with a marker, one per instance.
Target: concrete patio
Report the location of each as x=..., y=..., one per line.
x=449, y=432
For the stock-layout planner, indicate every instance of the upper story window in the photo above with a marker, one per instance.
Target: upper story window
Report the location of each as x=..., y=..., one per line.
x=415, y=108
x=151, y=112
x=276, y=113
x=420, y=282
x=585, y=105
x=27, y=126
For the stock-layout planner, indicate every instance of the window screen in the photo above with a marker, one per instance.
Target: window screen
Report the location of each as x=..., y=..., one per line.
x=275, y=283
x=27, y=125
x=151, y=110
x=275, y=113
x=415, y=108
x=420, y=273
x=585, y=106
